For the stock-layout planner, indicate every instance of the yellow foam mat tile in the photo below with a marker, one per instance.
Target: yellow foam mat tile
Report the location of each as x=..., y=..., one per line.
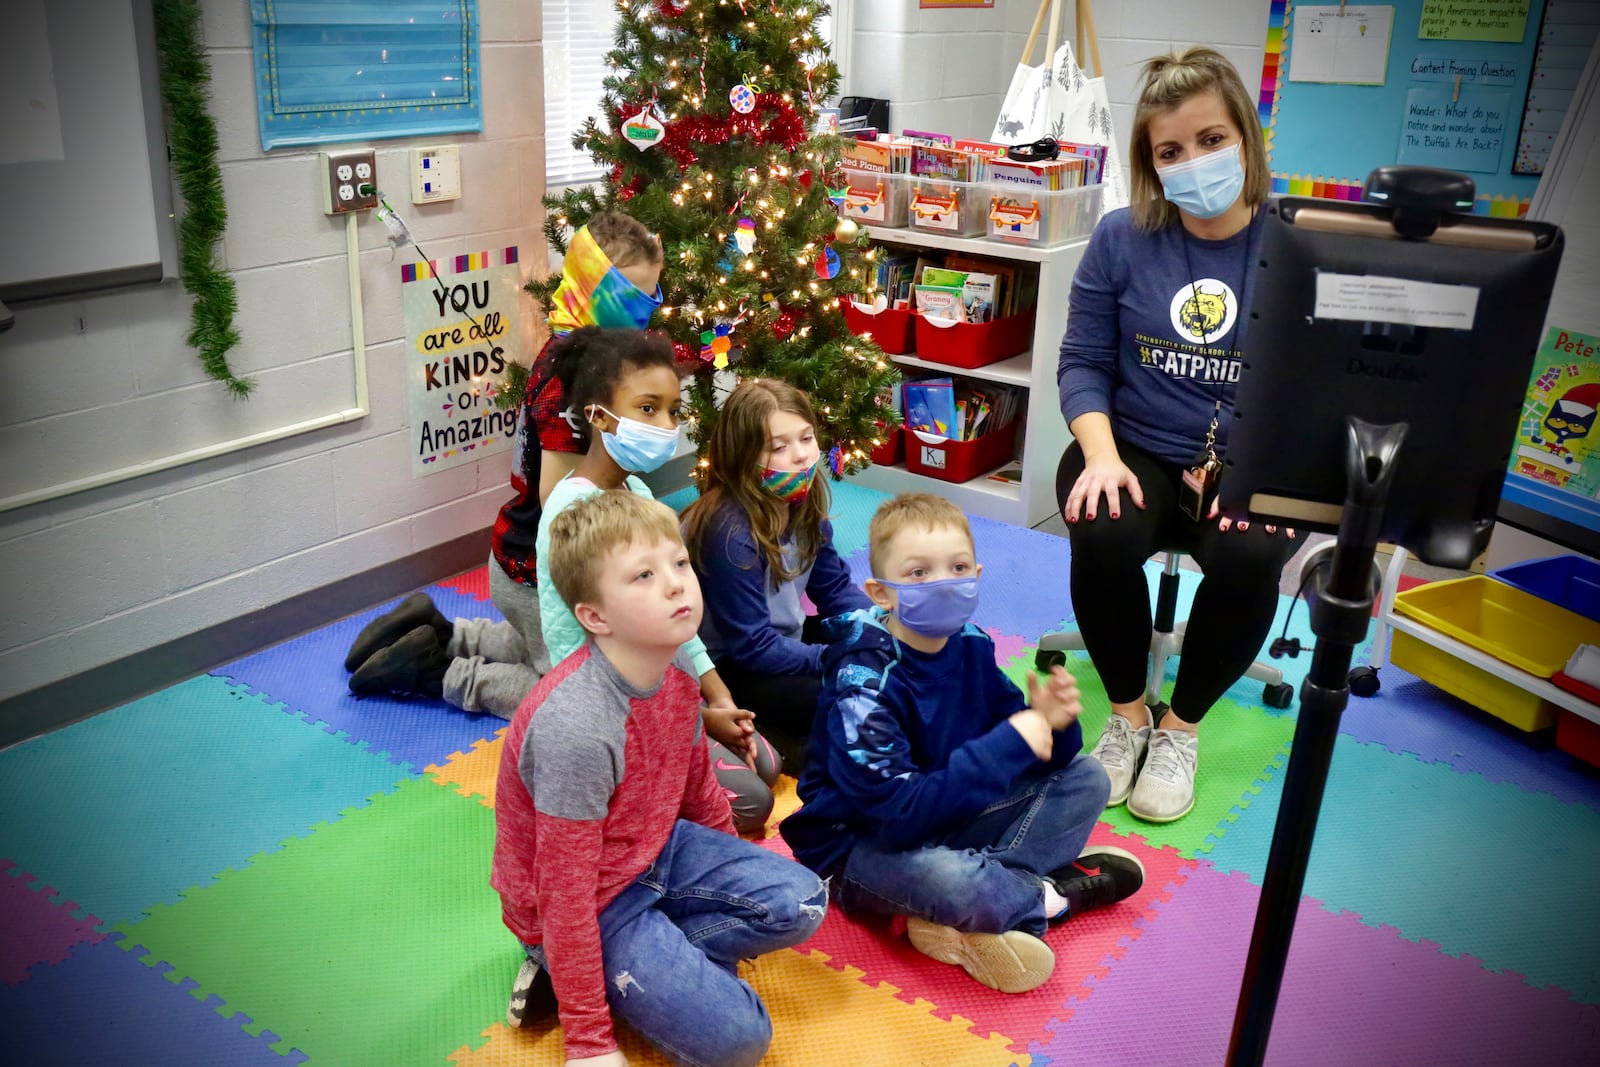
x=820, y=1016
x=472, y=773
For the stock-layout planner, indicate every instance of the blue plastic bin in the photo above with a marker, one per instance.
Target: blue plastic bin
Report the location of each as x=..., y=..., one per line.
x=1571, y=582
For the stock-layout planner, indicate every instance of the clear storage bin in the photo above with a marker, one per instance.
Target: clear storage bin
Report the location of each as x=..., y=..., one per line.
x=875, y=199
x=1019, y=214
x=956, y=209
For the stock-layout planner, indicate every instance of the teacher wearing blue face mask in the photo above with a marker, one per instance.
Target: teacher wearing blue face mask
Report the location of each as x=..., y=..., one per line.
x=1147, y=375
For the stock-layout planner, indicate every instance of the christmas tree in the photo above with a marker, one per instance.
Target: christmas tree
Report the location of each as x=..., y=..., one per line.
x=706, y=137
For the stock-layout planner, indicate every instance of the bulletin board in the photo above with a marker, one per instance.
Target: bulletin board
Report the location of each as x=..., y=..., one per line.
x=1433, y=99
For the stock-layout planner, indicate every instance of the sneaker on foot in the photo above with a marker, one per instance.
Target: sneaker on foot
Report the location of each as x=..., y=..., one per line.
x=1165, y=790
x=532, y=995
x=1012, y=962
x=415, y=610
x=413, y=664
x=1102, y=876
x=1119, y=750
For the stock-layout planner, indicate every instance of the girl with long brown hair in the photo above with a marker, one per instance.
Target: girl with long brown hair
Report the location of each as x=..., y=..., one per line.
x=759, y=537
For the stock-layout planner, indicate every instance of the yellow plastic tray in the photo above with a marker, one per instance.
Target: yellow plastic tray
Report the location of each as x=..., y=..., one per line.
x=1508, y=624
x=1498, y=697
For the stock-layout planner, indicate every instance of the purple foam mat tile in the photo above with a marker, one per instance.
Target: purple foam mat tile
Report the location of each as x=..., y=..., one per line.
x=306, y=674
x=36, y=925
x=1413, y=717
x=1351, y=994
x=103, y=1005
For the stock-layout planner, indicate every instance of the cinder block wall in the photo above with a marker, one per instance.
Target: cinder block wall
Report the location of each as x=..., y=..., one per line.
x=948, y=69
x=99, y=575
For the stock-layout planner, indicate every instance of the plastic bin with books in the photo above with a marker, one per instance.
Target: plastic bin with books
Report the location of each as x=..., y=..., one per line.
x=967, y=314
x=1045, y=201
x=874, y=199
x=959, y=431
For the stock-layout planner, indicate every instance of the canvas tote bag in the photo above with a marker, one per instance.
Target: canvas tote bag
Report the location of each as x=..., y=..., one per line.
x=1063, y=101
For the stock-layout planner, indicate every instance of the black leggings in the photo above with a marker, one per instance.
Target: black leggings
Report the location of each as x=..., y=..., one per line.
x=785, y=704
x=1233, y=607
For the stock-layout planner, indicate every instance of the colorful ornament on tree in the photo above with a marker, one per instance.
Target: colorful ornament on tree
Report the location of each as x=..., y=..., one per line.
x=744, y=235
x=836, y=461
x=828, y=264
x=783, y=325
x=644, y=130
x=716, y=345
x=743, y=96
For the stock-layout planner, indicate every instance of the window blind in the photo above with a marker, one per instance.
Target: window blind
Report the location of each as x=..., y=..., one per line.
x=577, y=36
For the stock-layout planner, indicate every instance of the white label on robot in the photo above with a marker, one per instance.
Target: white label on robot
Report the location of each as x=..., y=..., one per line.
x=1370, y=298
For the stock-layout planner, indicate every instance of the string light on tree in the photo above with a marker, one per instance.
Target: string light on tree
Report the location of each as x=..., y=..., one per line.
x=730, y=186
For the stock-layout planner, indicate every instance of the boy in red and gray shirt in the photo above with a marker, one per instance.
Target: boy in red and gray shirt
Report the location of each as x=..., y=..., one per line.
x=615, y=856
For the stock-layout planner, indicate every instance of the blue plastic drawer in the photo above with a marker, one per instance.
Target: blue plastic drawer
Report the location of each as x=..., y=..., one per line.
x=1571, y=582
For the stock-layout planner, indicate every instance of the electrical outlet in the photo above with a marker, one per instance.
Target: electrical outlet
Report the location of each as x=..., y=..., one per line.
x=349, y=181
x=435, y=174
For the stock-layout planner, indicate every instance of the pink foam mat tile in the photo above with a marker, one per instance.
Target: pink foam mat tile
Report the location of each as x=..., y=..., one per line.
x=1352, y=993
x=1084, y=948
x=36, y=926
x=473, y=583
x=1007, y=647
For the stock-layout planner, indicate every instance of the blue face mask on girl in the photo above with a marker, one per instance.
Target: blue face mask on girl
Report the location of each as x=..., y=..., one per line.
x=1206, y=185
x=638, y=446
x=935, y=609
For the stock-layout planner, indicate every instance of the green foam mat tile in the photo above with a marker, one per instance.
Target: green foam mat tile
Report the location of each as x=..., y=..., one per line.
x=375, y=940
x=1241, y=748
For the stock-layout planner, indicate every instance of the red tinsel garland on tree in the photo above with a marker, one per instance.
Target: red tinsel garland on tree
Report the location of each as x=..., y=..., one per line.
x=772, y=122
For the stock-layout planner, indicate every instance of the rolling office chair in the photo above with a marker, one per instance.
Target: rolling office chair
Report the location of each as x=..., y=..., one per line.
x=1166, y=640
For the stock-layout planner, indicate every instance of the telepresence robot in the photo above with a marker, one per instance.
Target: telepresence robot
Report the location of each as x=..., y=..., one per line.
x=1388, y=352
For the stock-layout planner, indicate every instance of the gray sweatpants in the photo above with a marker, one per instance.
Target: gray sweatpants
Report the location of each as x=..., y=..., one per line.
x=495, y=664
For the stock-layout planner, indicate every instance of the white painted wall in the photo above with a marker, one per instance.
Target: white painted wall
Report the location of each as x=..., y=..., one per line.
x=106, y=573
x=948, y=69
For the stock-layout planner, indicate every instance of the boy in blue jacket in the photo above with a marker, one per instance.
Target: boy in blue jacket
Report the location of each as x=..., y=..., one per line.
x=933, y=788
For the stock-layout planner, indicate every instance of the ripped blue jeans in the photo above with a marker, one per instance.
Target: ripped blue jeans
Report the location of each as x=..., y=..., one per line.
x=673, y=939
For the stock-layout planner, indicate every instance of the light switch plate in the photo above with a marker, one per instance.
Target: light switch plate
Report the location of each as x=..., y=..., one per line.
x=435, y=174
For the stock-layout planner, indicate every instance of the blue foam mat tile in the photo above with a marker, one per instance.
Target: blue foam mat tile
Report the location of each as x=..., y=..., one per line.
x=679, y=499
x=306, y=674
x=1409, y=715
x=1503, y=871
x=851, y=513
x=127, y=809
x=103, y=1006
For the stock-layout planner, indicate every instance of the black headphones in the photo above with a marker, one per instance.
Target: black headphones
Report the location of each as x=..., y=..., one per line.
x=1044, y=148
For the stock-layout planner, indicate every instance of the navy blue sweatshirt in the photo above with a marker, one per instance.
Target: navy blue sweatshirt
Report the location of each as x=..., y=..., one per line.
x=907, y=746
x=1155, y=330
x=749, y=622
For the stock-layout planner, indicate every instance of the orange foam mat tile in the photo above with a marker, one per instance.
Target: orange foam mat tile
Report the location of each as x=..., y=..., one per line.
x=820, y=1016
x=1085, y=947
x=472, y=773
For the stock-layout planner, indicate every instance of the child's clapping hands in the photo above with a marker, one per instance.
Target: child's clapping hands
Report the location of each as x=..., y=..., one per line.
x=1056, y=698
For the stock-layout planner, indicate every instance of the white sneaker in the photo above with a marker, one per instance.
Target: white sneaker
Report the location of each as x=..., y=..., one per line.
x=1119, y=750
x=1165, y=791
x=1012, y=962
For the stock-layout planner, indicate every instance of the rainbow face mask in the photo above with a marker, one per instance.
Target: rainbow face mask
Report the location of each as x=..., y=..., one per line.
x=593, y=292
x=790, y=487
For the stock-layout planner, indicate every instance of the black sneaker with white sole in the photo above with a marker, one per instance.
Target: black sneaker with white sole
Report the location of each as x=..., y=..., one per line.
x=532, y=995
x=1102, y=876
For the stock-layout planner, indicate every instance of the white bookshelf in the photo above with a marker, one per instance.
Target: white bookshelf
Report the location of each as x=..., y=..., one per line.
x=1044, y=432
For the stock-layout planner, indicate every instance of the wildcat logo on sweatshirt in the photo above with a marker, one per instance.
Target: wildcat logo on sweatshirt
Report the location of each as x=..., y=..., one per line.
x=1204, y=311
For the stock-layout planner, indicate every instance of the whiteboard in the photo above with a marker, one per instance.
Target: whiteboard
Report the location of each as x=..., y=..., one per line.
x=85, y=200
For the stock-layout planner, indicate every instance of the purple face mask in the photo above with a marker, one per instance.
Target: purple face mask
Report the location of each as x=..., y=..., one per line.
x=935, y=609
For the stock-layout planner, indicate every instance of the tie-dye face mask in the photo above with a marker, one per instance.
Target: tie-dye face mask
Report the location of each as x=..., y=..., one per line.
x=593, y=292
x=790, y=487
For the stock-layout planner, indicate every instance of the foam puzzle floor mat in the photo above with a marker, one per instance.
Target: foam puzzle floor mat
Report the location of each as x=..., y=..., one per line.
x=254, y=867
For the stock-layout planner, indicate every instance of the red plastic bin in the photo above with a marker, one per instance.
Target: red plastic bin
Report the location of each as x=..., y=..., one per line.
x=1578, y=737
x=958, y=461
x=973, y=344
x=891, y=327
x=893, y=449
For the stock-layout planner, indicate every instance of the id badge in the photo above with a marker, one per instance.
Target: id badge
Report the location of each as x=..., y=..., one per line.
x=1199, y=489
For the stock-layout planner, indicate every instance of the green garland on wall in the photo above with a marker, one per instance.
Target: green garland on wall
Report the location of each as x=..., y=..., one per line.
x=185, y=81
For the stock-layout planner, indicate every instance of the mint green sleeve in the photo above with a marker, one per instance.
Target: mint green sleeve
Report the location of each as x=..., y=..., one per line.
x=562, y=634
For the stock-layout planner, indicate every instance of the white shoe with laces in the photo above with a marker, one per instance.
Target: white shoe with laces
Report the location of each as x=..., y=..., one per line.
x=1119, y=750
x=1165, y=791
